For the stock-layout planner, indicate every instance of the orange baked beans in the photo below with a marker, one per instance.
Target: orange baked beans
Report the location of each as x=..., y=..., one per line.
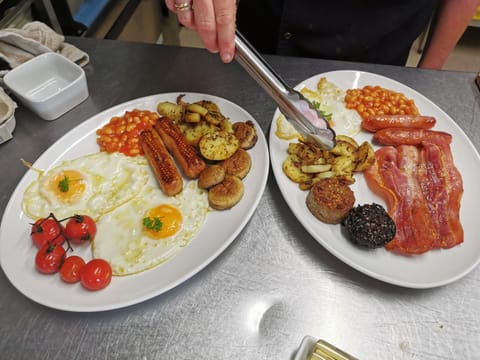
x=376, y=100
x=121, y=133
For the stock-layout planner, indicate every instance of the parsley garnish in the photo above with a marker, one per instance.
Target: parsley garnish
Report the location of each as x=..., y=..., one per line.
x=64, y=184
x=152, y=223
x=316, y=105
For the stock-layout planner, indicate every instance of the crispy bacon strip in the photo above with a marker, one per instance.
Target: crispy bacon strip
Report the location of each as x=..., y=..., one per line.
x=422, y=189
x=186, y=156
x=394, y=177
x=442, y=187
x=161, y=162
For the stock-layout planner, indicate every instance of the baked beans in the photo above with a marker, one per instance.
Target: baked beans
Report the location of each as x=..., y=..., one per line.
x=121, y=132
x=376, y=100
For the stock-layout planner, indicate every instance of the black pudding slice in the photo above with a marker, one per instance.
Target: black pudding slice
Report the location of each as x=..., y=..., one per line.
x=369, y=225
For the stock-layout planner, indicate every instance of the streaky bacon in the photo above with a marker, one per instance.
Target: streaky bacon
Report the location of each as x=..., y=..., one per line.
x=422, y=189
x=442, y=186
x=394, y=174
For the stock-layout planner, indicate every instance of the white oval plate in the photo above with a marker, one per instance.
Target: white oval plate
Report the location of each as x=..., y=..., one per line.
x=17, y=252
x=435, y=268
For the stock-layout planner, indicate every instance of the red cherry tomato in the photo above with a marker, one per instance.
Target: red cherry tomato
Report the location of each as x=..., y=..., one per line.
x=47, y=230
x=49, y=258
x=96, y=274
x=71, y=269
x=80, y=229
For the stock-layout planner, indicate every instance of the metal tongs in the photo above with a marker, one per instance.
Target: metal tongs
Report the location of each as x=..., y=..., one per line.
x=296, y=108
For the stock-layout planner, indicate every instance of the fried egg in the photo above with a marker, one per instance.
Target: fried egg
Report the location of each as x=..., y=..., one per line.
x=331, y=101
x=150, y=229
x=92, y=185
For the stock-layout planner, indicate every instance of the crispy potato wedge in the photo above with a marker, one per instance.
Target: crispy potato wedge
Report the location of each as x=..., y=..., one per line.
x=344, y=148
x=365, y=157
x=214, y=117
x=191, y=117
x=343, y=165
x=348, y=139
x=218, y=146
x=295, y=174
x=306, y=163
x=197, y=108
x=209, y=105
x=194, y=132
x=226, y=126
x=170, y=110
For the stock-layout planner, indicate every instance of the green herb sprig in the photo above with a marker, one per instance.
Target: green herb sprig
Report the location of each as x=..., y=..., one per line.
x=327, y=116
x=64, y=184
x=152, y=223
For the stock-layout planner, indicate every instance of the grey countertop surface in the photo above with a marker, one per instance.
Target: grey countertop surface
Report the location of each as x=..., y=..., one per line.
x=275, y=283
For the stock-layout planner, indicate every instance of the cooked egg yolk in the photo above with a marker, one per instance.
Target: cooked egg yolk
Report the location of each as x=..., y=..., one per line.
x=162, y=221
x=68, y=186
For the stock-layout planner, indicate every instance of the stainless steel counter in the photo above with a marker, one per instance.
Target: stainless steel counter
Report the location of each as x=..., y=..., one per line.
x=274, y=283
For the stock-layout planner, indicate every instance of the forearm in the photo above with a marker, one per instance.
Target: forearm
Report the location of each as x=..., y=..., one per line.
x=452, y=20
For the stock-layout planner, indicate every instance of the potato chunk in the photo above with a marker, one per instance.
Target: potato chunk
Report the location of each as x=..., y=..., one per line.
x=218, y=146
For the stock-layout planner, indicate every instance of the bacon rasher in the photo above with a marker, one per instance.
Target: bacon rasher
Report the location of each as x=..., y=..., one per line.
x=422, y=189
x=442, y=187
x=395, y=173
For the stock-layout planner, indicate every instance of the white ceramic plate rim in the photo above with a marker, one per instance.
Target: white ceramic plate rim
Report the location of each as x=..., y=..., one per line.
x=432, y=269
x=17, y=252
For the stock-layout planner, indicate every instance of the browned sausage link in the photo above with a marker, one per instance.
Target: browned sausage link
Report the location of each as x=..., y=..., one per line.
x=175, y=141
x=377, y=122
x=161, y=162
x=400, y=136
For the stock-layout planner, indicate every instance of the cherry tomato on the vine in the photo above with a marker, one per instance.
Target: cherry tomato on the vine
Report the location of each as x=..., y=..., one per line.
x=96, y=274
x=80, y=229
x=49, y=258
x=47, y=230
x=71, y=269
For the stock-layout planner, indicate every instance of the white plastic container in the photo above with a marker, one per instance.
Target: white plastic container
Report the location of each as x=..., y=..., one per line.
x=49, y=84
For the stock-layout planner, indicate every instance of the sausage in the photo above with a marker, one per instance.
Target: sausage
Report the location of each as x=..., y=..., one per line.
x=161, y=162
x=184, y=153
x=377, y=122
x=403, y=136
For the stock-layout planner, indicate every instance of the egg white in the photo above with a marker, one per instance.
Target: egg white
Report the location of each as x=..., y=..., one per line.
x=121, y=241
x=110, y=180
x=331, y=99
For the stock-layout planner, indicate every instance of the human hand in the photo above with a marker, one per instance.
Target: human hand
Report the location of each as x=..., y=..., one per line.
x=213, y=20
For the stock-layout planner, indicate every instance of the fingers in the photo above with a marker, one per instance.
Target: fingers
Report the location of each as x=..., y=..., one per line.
x=225, y=21
x=205, y=23
x=214, y=20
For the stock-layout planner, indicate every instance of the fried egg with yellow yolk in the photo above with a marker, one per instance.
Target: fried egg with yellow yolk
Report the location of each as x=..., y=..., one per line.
x=150, y=229
x=68, y=186
x=90, y=185
x=331, y=100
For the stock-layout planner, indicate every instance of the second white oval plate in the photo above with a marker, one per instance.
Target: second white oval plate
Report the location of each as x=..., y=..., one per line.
x=435, y=268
